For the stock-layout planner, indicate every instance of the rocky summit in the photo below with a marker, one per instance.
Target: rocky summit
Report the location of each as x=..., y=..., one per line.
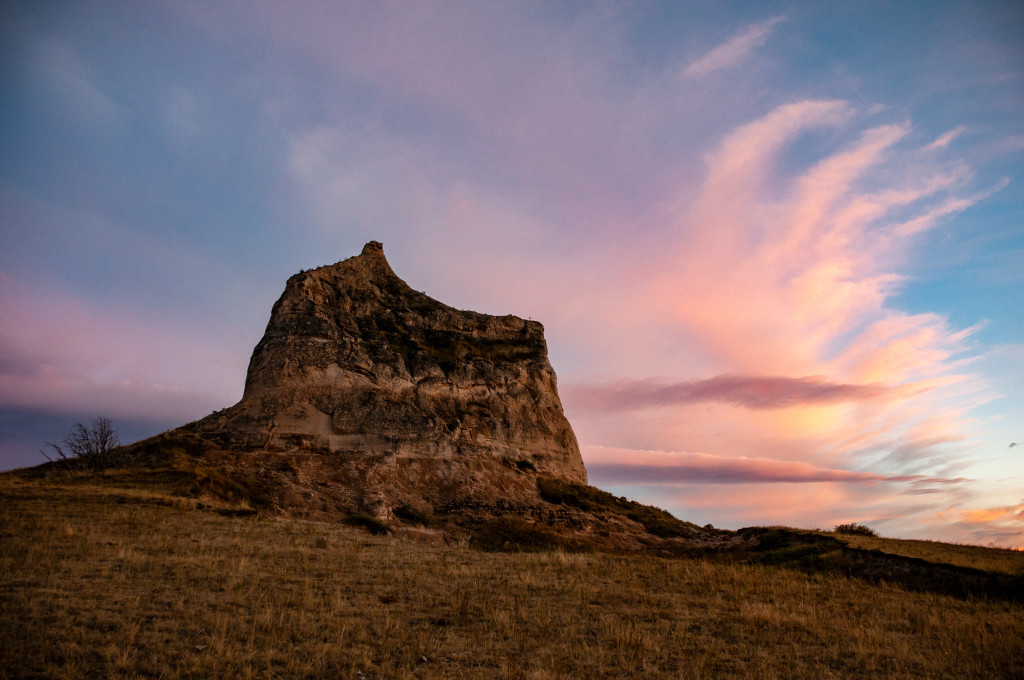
x=356, y=363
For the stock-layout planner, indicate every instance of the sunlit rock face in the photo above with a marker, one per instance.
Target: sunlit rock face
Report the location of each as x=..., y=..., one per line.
x=354, y=361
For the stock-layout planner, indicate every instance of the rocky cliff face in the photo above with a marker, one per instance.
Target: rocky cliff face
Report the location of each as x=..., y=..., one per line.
x=356, y=363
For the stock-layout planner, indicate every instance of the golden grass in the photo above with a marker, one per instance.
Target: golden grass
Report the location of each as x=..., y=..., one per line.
x=98, y=582
x=1000, y=560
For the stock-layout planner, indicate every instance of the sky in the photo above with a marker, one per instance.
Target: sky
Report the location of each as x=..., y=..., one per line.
x=777, y=247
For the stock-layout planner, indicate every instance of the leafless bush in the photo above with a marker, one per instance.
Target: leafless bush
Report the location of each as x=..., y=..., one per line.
x=98, y=446
x=855, y=530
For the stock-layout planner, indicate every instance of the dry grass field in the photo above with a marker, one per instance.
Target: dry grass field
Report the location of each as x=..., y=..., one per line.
x=98, y=582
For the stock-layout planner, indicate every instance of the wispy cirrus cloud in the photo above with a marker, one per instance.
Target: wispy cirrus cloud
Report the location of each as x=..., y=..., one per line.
x=784, y=271
x=946, y=138
x=1014, y=513
x=825, y=244
x=1001, y=525
x=734, y=50
x=68, y=84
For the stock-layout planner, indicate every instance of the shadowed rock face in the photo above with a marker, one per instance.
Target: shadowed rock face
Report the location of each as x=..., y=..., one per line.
x=354, y=361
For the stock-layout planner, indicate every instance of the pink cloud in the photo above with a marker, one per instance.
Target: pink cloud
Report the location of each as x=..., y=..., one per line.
x=912, y=509
x=726, y=471
x=535, y=99
x=118, y=365
x=756, y=392
x=1001, y=525
x=789, y=274
x=806, y=504
x=1014, y=513
x=946, y=138
x=661, y=467
x=901, y=347
x=733, y=50
x=762, y=247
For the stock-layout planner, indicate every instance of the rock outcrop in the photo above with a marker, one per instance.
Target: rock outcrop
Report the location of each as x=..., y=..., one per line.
x=355, y=363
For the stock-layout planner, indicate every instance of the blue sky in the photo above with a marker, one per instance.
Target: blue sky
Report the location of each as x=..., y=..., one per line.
x=777, y=247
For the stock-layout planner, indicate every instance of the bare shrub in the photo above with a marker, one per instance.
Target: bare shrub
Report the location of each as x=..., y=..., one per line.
x=98, y=446
x=855, y=529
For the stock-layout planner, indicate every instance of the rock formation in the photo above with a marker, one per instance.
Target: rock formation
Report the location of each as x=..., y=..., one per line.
x=369, y=403
x=357, y=364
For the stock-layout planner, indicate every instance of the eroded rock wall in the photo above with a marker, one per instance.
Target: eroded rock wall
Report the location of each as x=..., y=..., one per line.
x=354, y=361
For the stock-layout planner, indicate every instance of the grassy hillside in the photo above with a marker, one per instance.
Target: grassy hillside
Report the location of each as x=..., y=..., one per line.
x=995, y=560
x=100, y=581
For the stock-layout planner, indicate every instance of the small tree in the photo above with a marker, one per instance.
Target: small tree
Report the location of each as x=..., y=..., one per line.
x=98, y=447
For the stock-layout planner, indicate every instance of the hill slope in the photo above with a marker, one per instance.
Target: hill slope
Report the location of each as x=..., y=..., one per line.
x=101, y=580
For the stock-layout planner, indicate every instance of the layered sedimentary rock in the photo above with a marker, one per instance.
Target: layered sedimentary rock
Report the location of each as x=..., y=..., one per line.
x=354, y=361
